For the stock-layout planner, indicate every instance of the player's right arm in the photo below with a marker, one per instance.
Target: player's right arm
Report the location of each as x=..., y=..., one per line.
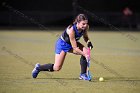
x=74, y=43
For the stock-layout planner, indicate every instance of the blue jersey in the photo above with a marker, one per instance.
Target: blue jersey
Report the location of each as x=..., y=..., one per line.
x=78, y=35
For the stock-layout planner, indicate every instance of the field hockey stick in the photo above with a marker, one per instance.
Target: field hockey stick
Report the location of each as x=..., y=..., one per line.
x=88, y=64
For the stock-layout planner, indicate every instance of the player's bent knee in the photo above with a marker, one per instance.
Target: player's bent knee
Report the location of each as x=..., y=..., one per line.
x=57, y=68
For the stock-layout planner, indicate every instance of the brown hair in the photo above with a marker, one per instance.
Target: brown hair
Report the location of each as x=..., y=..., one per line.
x=79, y=18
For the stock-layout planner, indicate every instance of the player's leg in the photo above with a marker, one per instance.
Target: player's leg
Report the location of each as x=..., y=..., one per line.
x=83, y=61
x=59, y=59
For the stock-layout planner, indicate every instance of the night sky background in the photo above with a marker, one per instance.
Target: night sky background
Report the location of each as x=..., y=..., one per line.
x=66, y=5
x=62, y=6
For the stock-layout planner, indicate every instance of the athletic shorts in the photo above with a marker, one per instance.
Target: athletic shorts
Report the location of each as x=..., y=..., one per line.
x=62, y=45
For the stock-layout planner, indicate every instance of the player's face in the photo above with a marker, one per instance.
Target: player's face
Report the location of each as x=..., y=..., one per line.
x=83, y=24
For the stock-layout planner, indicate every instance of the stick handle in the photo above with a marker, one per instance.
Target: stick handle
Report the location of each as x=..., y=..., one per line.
x=89, y=51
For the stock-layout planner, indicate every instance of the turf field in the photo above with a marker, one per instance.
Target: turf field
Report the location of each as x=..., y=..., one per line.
x=116, y=57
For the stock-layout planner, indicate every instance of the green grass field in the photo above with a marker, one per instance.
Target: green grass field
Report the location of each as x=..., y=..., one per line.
x=116, y=57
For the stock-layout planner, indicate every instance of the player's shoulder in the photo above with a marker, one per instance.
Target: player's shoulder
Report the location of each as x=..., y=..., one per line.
x=70, y=29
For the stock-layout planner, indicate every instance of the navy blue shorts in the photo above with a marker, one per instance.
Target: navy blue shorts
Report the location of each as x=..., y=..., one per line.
x=62, y=45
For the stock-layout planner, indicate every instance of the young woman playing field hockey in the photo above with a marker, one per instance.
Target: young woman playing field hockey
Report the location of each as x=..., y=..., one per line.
x=68, y=42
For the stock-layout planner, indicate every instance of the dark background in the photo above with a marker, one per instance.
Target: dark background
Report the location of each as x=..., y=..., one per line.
x=60, y=13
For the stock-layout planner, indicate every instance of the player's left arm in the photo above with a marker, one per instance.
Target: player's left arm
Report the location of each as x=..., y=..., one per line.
x=86, y=38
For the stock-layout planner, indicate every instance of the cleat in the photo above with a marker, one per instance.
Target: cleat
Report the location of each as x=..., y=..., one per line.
x=36, y=70
x=84, y=77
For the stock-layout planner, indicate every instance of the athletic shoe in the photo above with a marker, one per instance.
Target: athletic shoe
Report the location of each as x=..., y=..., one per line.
x=36, y=70
x=84, y=77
